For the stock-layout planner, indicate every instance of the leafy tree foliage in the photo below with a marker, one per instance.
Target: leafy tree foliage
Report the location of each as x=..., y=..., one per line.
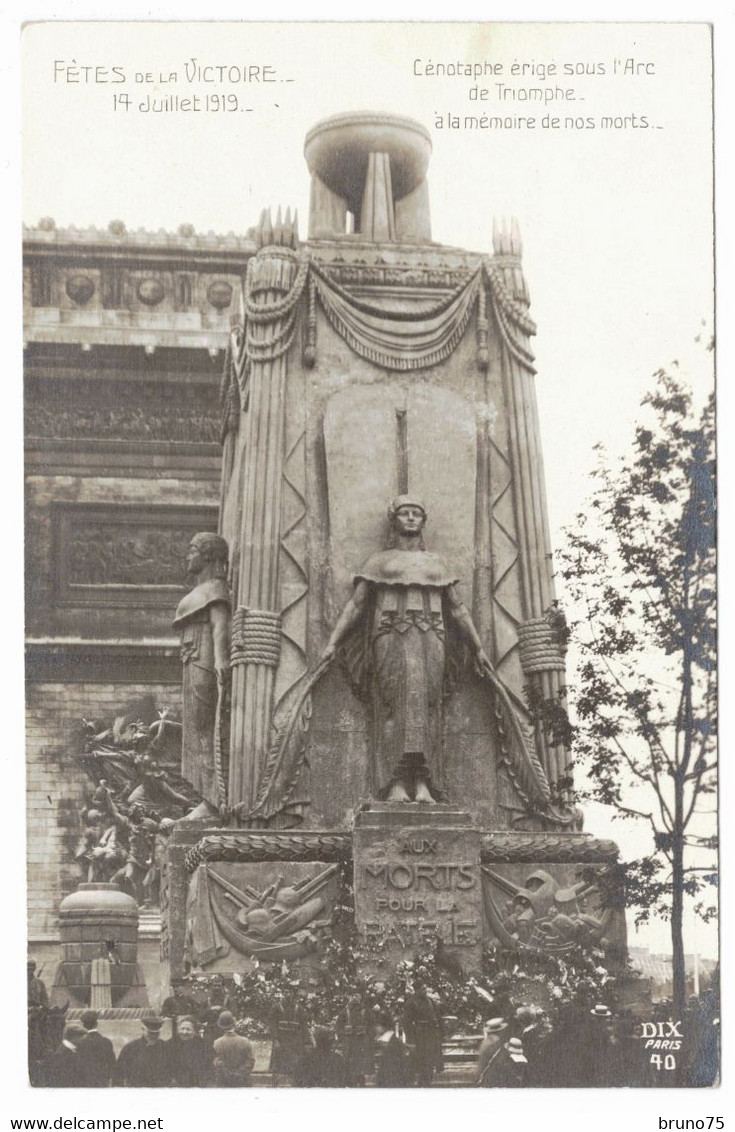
x=640, y=567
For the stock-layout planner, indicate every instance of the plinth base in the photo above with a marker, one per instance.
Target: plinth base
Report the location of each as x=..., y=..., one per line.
x=417, y=879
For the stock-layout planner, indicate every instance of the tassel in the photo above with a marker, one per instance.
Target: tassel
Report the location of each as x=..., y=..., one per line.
x=482, y=328
x=310, y=342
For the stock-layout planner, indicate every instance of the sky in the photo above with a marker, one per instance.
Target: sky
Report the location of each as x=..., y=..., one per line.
x=616, y=218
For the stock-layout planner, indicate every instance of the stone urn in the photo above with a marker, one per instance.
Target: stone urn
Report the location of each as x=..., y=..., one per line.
x=98, y=929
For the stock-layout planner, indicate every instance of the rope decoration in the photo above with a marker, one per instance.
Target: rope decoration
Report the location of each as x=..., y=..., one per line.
x=256, y=637
x=262, y=313
x=539, y=647
x=272, y=276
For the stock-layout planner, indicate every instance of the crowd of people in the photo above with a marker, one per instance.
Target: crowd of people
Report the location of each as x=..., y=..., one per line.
x=589, y=1047
x=205, y=1050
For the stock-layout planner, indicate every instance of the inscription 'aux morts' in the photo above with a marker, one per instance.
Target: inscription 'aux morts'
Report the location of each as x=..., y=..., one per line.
x=442, y=877
x=419, y=845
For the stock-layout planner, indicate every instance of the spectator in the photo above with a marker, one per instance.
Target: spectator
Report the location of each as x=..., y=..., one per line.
x=234, y=1056
x=97, y=1054
x=424, y=1032
x=596, y=1053
x=534, y=1030
x=321, y=1067
x=355, y=1027
x=290, y=1035
x=506, y=1068
x=394, y=1065
x=192, y=1056
x=147, y=1061
x=65, y=1067
x=494, y=1030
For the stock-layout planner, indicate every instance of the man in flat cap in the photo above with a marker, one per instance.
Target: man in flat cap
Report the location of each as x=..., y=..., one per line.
x=146, y=1062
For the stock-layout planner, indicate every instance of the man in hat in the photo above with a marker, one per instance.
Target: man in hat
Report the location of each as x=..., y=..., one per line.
x=234, y=1056
x=146, y=1062
x=507, y=1067
x=596, y=1052
x=534, y=1030
x=65, y=1067
x=97, y=1054
x=491, y=1043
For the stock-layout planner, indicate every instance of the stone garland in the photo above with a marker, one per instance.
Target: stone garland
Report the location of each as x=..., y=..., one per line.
x=394, y=340
x=374, y=333
x=503, y=847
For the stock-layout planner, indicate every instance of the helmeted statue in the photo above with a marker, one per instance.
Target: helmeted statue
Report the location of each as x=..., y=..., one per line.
x=401, y=635
x=203, y=618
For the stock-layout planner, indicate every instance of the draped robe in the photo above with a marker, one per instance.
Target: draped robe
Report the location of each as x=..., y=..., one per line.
x=403, y=666
x=199, y=689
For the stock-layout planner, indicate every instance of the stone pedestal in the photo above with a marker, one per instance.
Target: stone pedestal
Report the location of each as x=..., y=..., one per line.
x=98, y=926
x=417, y=876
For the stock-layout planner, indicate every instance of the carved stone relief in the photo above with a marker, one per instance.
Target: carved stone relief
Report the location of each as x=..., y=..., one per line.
x=123, y=554
x=251, y=912
x=545, y=913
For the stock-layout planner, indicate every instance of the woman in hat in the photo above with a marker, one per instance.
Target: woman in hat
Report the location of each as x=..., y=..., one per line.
x=400, y=635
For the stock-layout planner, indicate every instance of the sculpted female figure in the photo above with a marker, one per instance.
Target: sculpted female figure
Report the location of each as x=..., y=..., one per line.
x=203, y=617
x=413, y=624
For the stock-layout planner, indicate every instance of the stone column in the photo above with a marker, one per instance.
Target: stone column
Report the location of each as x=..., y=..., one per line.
x=541, y=654
x=273, y=286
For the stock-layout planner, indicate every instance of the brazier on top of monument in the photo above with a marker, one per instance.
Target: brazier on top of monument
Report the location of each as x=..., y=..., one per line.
x=388, y=598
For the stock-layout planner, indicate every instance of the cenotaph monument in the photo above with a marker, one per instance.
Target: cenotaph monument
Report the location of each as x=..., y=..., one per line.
x=373, y=654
